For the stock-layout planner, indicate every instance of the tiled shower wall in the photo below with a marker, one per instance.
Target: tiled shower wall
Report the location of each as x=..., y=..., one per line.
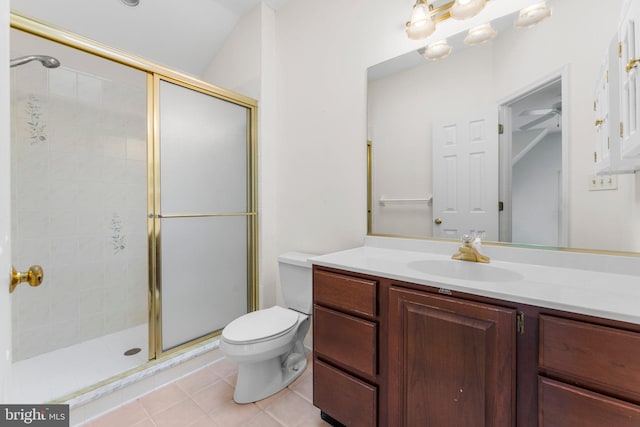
x=79, y=197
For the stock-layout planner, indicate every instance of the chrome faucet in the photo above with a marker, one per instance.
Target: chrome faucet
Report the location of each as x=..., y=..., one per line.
x=468, y=252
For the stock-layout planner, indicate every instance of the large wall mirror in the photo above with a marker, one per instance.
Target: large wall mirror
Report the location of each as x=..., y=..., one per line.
x=533, y=183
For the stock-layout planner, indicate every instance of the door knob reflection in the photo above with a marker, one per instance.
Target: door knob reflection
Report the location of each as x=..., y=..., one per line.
x=33, y=276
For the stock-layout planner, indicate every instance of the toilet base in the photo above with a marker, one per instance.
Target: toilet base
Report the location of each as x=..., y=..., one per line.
x=257, y=381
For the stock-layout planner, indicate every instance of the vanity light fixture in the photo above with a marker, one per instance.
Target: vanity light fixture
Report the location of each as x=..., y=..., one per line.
x=464, y=9
x=421, y=24
x=480, y=34
x=425, y=15
x=532, y=15
x=437, y=50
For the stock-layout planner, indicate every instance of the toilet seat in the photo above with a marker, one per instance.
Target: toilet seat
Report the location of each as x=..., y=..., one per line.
x=261, y=325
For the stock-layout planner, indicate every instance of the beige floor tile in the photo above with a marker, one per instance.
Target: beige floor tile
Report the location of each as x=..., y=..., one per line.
x=125, y=416
x=231, y=379
x=198, y=380
x=161, y=399
x=179, y=415
x=307, y=373
x=265, y=403
x=204, y=422
x=262, y=420
x=310, y=417
x=232, y=414
x=304, y=388
x=145, y=423
x=205, y=399
x=314, y=422
x=214, y=396
x=294, y=411
x=223, y=368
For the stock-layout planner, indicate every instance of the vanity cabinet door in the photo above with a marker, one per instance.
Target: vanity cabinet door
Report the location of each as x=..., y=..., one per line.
x=451, y=362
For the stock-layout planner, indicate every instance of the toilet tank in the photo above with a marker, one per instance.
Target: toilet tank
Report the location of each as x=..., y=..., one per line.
x=296, y=281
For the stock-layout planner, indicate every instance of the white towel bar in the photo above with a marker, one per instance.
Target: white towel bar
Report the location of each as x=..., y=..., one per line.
x=384, y=201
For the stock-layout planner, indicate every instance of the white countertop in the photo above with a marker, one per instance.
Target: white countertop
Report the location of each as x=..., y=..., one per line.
x=596, y=293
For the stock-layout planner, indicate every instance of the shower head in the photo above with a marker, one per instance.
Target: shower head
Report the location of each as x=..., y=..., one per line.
x=47, y=61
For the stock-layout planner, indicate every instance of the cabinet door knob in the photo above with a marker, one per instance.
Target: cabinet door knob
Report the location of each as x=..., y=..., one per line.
x=438, y=221
x=599, y=122
x=632, y=64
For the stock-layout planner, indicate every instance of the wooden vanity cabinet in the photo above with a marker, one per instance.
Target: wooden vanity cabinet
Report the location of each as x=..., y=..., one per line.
x=345, y=347
x=452, y=362
x=389, y=353
x=589, y=374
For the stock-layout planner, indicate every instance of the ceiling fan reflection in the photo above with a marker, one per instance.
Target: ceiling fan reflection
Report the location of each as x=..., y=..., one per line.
x=545, y=114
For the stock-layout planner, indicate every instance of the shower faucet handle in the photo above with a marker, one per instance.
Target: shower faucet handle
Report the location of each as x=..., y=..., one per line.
x=33, y=276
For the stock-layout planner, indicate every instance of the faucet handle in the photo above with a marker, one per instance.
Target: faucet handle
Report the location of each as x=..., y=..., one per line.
x=466, y=238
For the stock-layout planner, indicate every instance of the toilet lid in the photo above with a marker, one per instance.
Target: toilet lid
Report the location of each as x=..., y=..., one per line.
x=260, y=325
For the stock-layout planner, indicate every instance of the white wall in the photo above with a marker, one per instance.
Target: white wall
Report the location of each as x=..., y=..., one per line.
x=5, y=191
x=324, y=49
x=237, y=66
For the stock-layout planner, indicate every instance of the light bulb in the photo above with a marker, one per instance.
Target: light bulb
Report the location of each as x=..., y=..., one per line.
x=437, y=50
x=532, y=15
x=464, y=9
x=480, y=34
x=421, y=24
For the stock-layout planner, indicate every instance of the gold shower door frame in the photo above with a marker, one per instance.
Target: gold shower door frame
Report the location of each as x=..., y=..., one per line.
x=155, y=73
x=155, y=228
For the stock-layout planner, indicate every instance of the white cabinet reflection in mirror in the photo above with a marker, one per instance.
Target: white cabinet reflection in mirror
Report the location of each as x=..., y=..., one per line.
x=629, y=52
x=616, y=103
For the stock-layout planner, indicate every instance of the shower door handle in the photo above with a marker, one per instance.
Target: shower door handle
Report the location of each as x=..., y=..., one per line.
x=33, y=276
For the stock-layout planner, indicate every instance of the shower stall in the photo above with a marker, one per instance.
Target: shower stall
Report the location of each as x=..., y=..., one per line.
x=133, y=186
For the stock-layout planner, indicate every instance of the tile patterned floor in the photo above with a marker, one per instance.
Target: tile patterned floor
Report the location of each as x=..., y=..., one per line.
x=205, y=399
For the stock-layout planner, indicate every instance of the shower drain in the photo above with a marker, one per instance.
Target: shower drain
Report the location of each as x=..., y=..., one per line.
x=132, y=351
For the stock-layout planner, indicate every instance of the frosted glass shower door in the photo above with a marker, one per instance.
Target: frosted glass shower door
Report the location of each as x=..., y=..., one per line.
x=204, y=217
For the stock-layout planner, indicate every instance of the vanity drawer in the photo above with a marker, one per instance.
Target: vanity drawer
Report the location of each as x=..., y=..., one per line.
x=597, y=356
x=343, y=397
x=345, y=339
x=345, y=292
x=562, y=405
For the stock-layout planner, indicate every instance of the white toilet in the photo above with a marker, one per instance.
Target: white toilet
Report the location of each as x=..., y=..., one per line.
x=268, y=344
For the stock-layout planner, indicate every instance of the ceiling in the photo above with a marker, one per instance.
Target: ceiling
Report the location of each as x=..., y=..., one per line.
x=184, y=35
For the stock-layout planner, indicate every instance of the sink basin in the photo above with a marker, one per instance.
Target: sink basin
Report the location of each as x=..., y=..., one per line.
x=465, y=270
